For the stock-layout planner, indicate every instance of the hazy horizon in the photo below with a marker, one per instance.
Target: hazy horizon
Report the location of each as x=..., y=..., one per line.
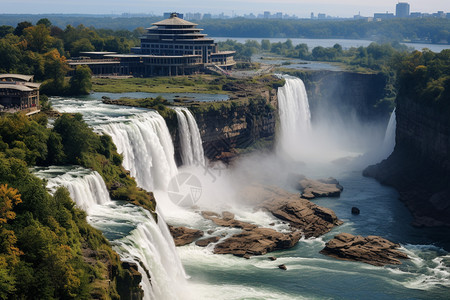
x=301, y=8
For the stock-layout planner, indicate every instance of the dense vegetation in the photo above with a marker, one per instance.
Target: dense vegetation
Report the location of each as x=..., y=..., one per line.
x=425, y=77
x=431, y=29
x=42, y=49
x=44, y=239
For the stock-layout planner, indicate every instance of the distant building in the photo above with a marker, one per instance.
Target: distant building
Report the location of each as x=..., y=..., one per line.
x=383, y=16
x=416, y=15
x=402, y=10
x=18, y=92
x=439, y=14
x=166, y=15
x=279, y=15
x=321, y=16
x=170, y=47
x=267, y=15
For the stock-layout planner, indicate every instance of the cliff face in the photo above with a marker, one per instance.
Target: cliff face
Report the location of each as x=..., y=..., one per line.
x=351, y=93
x=226, y=129
x=419, y=167
x=223, y=132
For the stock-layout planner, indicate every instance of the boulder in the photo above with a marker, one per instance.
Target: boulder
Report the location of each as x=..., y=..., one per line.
x=257, y=241
x=355, y=210
x=372, y=250
x=282, y=267
x=206, y=242
x=183, y=236
x=227, y=220
x=311, y=188
x=311, y=219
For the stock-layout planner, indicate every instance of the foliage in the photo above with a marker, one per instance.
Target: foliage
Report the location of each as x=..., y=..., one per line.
x=425, y=77
x=80, y=83
x=43, y=237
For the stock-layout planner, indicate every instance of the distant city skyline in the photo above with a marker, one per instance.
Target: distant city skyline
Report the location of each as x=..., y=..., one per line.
x=300, y=8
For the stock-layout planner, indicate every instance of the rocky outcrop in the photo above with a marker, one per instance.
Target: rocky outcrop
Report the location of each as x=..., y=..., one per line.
x=257, y=241
x=207, y=241
x=183, y=236
x=302, y=214
x=251, y=241
x=311, y=188
x=372, y=250
x=419, y=167
x=227, y=220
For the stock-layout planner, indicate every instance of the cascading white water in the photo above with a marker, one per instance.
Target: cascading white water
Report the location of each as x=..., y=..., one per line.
x=295, y=116
x=86, y=187
x=190, y=138
x=389, y=137
x=147, y=149
x=148, y=244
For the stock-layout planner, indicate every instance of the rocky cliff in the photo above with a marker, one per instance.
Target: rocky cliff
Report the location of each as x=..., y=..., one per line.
x=351, y=93
x=249, y=118
x=419, y=167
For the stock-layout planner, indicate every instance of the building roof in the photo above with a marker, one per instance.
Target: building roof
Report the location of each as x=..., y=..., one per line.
x=18, y=87
x=174, y=21
x=97, y=52
x=17, y=76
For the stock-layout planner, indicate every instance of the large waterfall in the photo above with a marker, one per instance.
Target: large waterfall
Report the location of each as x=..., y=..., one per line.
x=389, y=137
x=295, y=116
x=147, y=149
x=132, y=230
x=190, y=138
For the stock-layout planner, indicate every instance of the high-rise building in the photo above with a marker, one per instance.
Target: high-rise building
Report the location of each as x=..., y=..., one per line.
x=402, y=10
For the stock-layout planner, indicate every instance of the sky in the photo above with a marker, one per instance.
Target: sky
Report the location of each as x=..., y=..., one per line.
x=301, y=8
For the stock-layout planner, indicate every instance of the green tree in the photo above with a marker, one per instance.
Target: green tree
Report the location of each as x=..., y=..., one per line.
x=38, y=38
x=80, y=83
x=46, y=22
x=21, y=26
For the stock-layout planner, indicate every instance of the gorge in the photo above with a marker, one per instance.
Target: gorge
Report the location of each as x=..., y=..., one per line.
x=224, y=277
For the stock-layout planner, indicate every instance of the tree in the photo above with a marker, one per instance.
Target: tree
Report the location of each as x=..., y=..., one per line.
x=46, y=22
x=80, y=83
x=21, y=26
x=38, y=38
x=265, y=45
x=5, y=29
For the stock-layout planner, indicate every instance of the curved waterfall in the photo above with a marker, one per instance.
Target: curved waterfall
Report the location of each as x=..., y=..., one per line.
x=131, y=229
x=147, y=149
x=86, y=187
x=295, y=116
x=190, y=138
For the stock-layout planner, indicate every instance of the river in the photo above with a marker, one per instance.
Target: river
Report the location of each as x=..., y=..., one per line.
x=309, y=274
x=345, y=43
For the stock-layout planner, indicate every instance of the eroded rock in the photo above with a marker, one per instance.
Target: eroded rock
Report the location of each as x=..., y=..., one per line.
x=311, y=219
x=257, y=241
x=183, y=235
x=372, y=250
x=311, y=188
x=207, y=241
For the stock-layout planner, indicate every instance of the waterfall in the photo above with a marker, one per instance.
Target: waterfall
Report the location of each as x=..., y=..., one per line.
x=151, y=247
x=147, y=149
x=389, y=137
x=190, y=138
x=295, y=116
x=86, y=187
x=147, y=244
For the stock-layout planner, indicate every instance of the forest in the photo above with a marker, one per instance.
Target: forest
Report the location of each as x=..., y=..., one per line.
x=44, y=238
x=433, y=30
